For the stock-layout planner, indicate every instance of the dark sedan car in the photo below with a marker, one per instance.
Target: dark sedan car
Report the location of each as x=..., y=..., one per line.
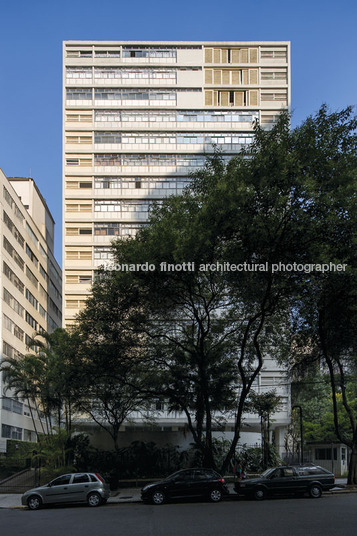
x=296, y=479
x=187, y=483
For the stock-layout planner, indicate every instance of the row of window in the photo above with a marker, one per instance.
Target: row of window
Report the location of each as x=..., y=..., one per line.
x=149, y=183
x=126, y=52
x=162, y=138
x=120, y=94
x=122, y=73
x=118, y=159
x=113, y=229
x=172, y=116
x=231, y=55
x=16, y=281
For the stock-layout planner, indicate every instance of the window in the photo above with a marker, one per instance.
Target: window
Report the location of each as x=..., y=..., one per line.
x=31, y=277
x=13, y=229
x=12, y=251
x=80, y=478
x=61, y=480
x=326, y=453
x=14, y=304
x=79, y=94
x=13, y=328
x=32, y=234
x=16, y=281
x=9, y=351
x=32, y=256
x=31, y=321
x=11, y=432
x=31, y=298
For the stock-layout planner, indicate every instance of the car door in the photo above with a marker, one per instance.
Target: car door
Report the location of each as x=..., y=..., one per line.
x=180, y=485
x=283, y=480
x=202, y=482
x=79, y=487
x=58, y=490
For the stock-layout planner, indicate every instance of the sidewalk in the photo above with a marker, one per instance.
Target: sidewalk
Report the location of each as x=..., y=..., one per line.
x=132, y=495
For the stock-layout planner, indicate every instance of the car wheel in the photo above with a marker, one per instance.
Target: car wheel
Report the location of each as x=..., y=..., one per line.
x=315, y=491
x=215, y=495
x=158, y=497
x=259, y=494
x=34, y=502
x=94, y=499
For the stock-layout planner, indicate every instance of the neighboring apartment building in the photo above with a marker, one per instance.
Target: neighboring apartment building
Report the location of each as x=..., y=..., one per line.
x=31, y=290
x=138, y=118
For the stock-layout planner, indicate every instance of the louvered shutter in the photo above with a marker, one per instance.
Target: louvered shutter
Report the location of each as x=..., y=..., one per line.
x=244, y=55
x=224, y=56
x=208, y=55
x=253, y=76
x=253, y=97
x=245, y=76
x=208, y=98
x=236, y=77
x=224, y=98
x=253, y=55
x=216, y=55
x=217, y=77
x=235, y=55
x=208, y=76
x=238, y=98
x=225, y=77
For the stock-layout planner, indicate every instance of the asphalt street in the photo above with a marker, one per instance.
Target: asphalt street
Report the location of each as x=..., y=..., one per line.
x=328, y=516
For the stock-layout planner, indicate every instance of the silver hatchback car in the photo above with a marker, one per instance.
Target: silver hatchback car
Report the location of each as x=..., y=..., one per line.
x=75, y=487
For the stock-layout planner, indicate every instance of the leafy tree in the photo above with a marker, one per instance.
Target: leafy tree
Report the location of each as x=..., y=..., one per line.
x=325, y=308
x=201, y=335
x=265, y=405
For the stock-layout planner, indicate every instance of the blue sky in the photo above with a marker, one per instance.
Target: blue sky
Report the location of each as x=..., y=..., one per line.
x=322, y=34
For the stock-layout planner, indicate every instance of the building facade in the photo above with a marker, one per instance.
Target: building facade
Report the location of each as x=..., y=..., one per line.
x=31, y=291
x=138, y=118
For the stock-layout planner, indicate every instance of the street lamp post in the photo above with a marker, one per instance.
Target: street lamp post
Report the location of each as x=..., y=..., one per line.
x=301, y=433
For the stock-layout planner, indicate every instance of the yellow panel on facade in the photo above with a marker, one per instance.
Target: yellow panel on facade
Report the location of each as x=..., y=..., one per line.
x=253, y=97
x=216, y=55
x=208, y=55
x=236, y=77
x=208, y=98
x=224, y=98
x=244, y=55
x=253, y=76
x=239, y=98
x=245, y=76
x=215, y=98
x=253, y=55
x=226, y=77
x=224, y=55
x=235, y=55
x=217, y=77
x=208, y=76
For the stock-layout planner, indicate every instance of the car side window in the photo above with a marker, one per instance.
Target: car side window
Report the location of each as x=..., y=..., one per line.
x=182, y=477
x=80, y=478
x=61, y=480
x=200, y=475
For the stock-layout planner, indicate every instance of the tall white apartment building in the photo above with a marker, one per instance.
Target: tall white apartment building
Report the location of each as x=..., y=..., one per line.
x=31, y=290
x=138, y=118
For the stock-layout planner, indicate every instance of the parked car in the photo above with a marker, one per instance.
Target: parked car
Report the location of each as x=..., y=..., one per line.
x=298, y=479
x=75, y=487
x=195, y=482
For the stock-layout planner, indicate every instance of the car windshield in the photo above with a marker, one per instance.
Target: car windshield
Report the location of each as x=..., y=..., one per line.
x=267, y=472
